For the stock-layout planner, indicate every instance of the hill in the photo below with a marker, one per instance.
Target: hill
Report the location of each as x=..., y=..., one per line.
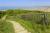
x=32, y=20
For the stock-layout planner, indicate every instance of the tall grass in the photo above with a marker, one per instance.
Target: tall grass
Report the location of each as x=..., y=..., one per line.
x=31, y=23
x=6, y=27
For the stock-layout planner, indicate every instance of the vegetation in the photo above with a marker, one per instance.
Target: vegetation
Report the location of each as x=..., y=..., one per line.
x=32, y=20
x=6, y=27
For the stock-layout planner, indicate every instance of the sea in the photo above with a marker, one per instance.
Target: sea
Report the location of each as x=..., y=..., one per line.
x=6, y=8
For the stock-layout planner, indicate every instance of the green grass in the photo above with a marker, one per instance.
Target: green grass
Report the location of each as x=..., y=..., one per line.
x=6, y=27
x=30, y=24
x=32, y=27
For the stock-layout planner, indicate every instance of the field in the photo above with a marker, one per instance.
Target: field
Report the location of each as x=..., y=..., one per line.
x=32, y=20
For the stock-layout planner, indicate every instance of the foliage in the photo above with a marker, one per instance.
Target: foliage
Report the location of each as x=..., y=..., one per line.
x=2, y=13
x=30, y=19
x=6, y=27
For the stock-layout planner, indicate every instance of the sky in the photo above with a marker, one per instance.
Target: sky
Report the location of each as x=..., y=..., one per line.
x=24, y=3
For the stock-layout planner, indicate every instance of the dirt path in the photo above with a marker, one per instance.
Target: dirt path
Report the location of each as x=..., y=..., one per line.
x=18, y=28
x=4, y=17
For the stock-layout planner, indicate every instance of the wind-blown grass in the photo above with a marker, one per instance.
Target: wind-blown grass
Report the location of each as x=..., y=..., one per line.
x=6, y=27
x=32, y=25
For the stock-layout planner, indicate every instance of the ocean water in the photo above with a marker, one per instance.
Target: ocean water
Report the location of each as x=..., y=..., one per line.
x=14, y=7
x=5, y=8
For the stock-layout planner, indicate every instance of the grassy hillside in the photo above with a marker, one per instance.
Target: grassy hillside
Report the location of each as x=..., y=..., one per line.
x=6, y=27
x=30, y=19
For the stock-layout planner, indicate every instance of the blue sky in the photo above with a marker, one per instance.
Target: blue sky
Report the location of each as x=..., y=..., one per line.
x=24, y=3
